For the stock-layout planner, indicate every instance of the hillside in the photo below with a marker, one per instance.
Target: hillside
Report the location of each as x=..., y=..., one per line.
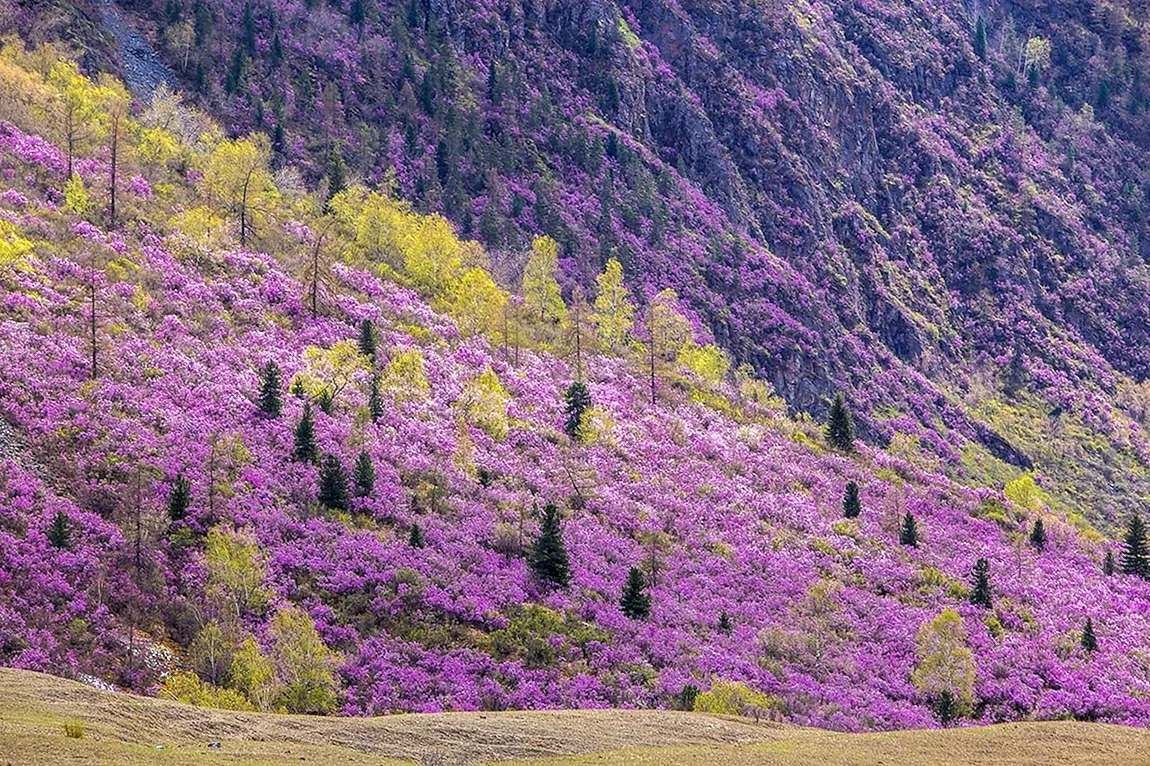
x=854, y=196
x=274, y=450
x=122, y=730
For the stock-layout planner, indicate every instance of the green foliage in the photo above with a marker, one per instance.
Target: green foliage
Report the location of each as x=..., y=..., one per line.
x=252, y=675
x=367, y=339
x=1038, y=535
x=364, y=475
x=333, y=489
x=852, y=505
x=1108, y=563
x=486, y=401
x=548, y=554
x=908, y=531
x=1135, y=554
x=374, y=400
x=635, y=602
x=74, y=729
x=725, y=624
x=336, y=175
x=945, y=708
x=270, y=402
x=1025, y=492
x=306, y=450
x=685, y=699
x=614, y=313
x=235, y=571
x=191, y=690
x=980, y=39
x=404, y=376
x=945, y=662
x=529, y=636
x=541, y=293
x=179, y=498
x=734, y=698
x=1089, y=640
x=578, y=402
x=60, y=532
x=840, y=430
x=980, y=594
x=303, y=663
x=415, y=537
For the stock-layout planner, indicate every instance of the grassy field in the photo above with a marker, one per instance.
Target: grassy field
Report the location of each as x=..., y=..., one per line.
x=124, y=730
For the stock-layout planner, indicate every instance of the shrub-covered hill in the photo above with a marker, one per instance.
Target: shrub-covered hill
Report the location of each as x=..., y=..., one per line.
x=942, y=218
x=348, y=472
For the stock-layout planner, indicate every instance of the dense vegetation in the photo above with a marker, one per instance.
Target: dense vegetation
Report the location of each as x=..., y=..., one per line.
x=285, y=447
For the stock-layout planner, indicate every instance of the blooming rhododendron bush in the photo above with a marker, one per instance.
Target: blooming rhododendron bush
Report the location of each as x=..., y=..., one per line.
x=309, y=472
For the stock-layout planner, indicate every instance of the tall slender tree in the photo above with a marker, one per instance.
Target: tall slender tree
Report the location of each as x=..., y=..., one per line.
x=367, y=339
x=270, y=400
x=1038, y=535
x=980, y=594
x=980, y=39
x=840, y=430
x=1089, y=640
x=375, y=399
x=364, y=475
x=635, y=602
x=333, y=490
x=908, y=531
x=548, y=554
x=852, y=505
x=60, y=532
x=1135, y=554
x=578, y=402
x=179, y=498
x=305, y=446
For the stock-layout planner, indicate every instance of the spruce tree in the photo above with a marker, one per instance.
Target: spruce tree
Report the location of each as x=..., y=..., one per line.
x=1135, y=556
x=270, y=390
x=1038, y=535
x=980, y=39
x=333, y=491
x=578, y=402
x=635, y=602
x=1108, y=563
x=336, y=174
x=1089, y=640
x=908, y=532
x=852, y=506
x=305, y=446
x=945, y=708
x=980, y=584
x=548, y=554
x=840, y=431
x=375, y=400
x=179, y=498
x=60, y=533
x=364, y=475
x=415, y=537
x=367, y=339
x=725, y=624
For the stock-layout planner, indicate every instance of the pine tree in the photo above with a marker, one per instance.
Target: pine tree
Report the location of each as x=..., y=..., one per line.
x=60, y=533
x=908, y=532
x=1038, y=535
x=305, y=446
x=179, y=498
x=840, y=432
x=367, y=339
x=1135, y=555
x=725, y=624
x=980, y=584
x=375, y=400
x=270, y=401
x=1108, y=563
x=578, y=402
x=364, y=475
x=852, y=506
x=548, y=554
x=336, y=174
x=635, y=602
x=333, y=491
x=945, y=708
x=415, y=538
x=980, y=39
x=1089, y=640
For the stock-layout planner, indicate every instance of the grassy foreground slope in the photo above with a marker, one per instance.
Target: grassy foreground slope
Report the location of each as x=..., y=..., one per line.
x=121, y=729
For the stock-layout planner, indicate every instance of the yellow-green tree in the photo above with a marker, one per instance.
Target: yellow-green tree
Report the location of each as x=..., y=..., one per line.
x=478, y=304
x=404, y=376
x=614, y=314
x=236, y=572
x=945, y=662
x=253, y=675
x=541, y=294
x=237, y=178
x=485, y=400
x=667, y=332
x=328, y=371
x=303, y=663
x=76, y=110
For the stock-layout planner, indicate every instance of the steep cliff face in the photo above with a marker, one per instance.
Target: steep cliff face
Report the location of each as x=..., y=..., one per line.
x=850, y=195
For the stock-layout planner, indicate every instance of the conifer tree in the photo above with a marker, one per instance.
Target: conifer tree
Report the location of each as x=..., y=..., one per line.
x=305, y=446
x=635, y=602
x=1108, y=563
x=1089, y=640
x=375, y=400
x=270, y=401
x=60, y=533
x=548, y=554
x=908, y=532
x=1038, y=535
x=578, y=402
x=945, y=708
x=980, y=39
x=852, y=506
x=725, y=624
x=415, y=538
x=1135, y=555
x=336, y=174
x=333, y=492
x=364, y=475
x=840, y=431
x=980, y=584
x=179, y=498
x=367, y=339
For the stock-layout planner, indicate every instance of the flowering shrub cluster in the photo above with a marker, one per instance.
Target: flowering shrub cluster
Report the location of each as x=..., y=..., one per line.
x=163, y=495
